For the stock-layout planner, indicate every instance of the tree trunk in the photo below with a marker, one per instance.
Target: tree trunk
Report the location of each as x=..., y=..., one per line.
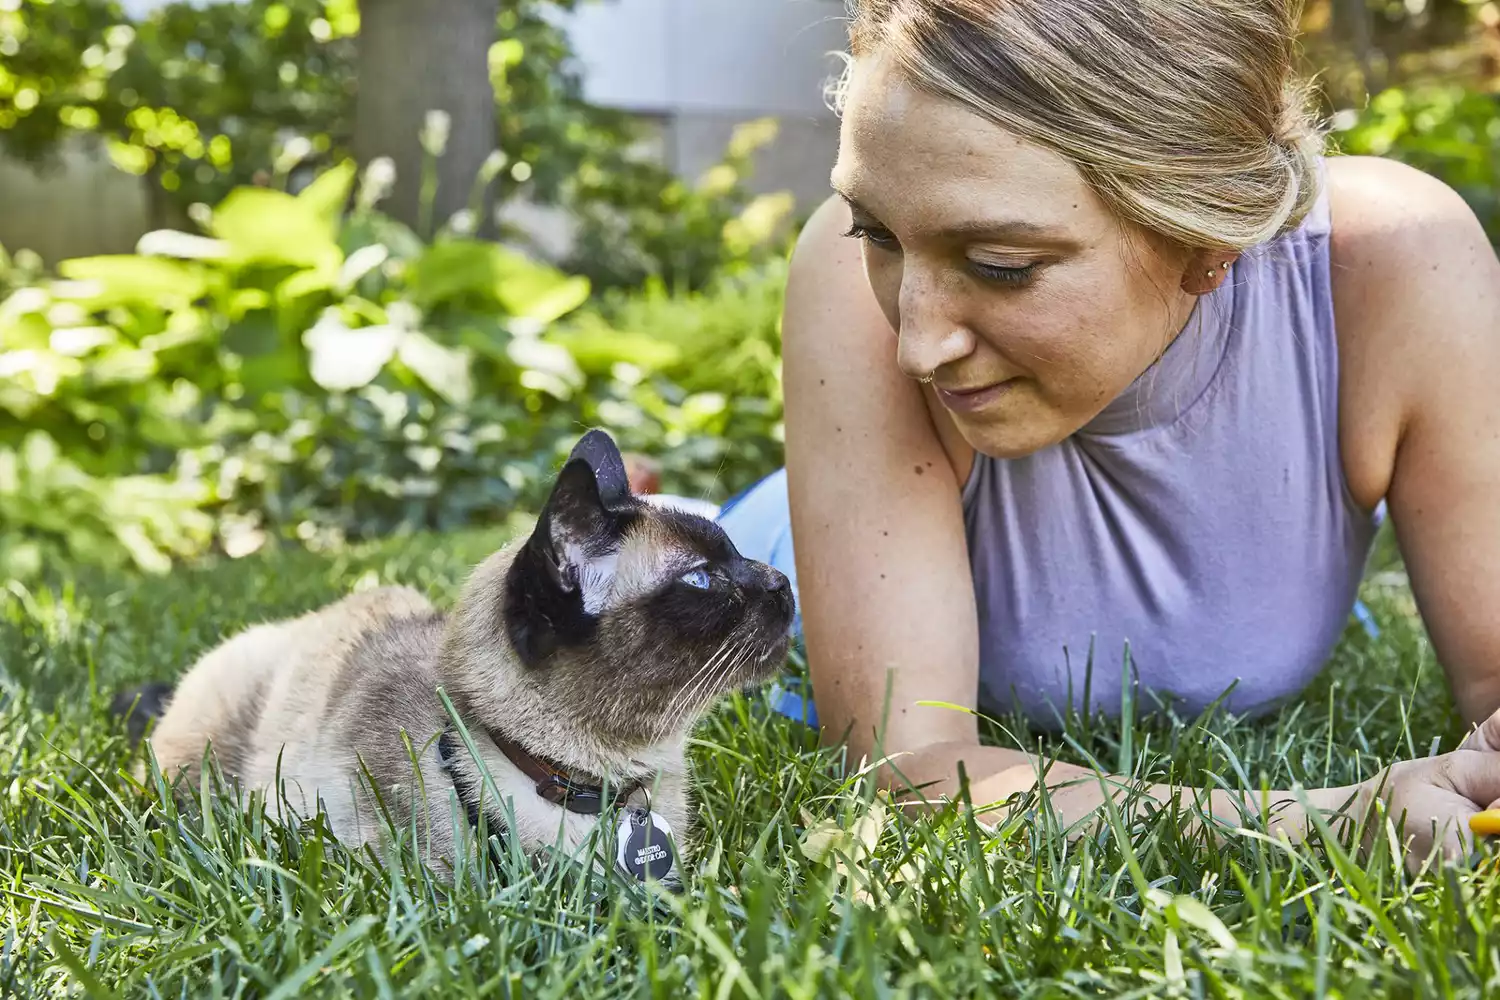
x=417, y=56
x=1354, y=24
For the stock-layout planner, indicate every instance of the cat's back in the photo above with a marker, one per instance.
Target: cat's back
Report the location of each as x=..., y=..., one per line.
x=331, y=658
x=359, y=673
x=314, y=651
x=271, y=682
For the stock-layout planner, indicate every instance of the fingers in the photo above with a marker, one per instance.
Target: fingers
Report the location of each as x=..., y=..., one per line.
x=1486, y=736
x=1448, y=834
x=1430, y=839
x=1473, y=774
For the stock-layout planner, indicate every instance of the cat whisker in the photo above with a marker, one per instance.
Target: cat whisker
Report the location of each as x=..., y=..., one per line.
x=692, y=695
x=728, y=667
x=685, y=693
x=687, y=700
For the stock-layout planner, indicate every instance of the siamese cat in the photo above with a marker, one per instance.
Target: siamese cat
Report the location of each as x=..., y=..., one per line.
x=578, y=658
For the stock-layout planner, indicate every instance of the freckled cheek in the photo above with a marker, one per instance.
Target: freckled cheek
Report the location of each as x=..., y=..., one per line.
x=1040, y=335
x=884, y=274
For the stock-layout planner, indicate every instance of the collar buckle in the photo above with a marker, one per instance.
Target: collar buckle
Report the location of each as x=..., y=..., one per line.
x=584, y=799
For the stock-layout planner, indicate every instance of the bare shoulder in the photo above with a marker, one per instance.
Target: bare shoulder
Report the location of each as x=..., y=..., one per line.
x=828, y=289
x=1416, y=289
x=827, y=271
x=1406, y=249
x=1390, y=216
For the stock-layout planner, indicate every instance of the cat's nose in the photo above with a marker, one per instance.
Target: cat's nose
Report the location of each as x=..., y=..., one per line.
x=779, y=588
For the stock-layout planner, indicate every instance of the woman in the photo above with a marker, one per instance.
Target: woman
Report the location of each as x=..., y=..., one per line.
x=1115, y=356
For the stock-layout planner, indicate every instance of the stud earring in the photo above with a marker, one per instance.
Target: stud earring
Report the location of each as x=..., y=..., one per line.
x=1210, y=272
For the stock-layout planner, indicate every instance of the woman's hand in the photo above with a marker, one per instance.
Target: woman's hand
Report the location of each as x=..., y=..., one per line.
x=1486, y=736
x=1431, y=799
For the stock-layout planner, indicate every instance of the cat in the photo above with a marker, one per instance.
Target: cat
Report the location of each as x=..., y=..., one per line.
x=579, y=657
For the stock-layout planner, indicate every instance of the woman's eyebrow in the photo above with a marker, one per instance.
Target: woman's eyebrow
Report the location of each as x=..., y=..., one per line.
x=976, y=228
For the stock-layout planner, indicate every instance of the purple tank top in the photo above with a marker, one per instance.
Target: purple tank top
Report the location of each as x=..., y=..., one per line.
x=1202, y=518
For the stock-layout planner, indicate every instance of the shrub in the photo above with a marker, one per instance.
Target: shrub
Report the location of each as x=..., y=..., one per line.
x=200, y=99
x=298, y=373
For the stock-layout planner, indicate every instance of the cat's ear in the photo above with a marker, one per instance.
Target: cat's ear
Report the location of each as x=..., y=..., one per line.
x=578, y=534
x=562, y=576
x=599, y=451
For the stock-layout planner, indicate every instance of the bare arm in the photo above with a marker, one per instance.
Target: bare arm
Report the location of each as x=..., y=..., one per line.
x=888, y=603
x=1417, y=288
x=882, y=562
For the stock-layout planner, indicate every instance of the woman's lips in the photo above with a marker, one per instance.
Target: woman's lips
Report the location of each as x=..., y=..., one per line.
x=970, y=400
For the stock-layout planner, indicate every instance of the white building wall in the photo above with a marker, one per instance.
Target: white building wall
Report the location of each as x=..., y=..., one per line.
x=707, y=65
x=718, y=56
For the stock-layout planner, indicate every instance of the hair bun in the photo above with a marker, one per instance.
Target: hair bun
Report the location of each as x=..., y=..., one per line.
x=1302, y=142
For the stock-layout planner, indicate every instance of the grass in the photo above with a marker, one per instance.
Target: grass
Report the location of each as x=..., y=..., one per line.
x=806, y=886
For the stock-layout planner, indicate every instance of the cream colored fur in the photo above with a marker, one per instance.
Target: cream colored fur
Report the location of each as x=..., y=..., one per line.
x=315, y=700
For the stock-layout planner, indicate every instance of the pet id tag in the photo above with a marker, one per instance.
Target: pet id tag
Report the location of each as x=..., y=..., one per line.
x=645, y=845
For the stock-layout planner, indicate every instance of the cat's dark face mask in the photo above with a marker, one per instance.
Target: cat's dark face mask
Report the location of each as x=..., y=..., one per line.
x=633, y=616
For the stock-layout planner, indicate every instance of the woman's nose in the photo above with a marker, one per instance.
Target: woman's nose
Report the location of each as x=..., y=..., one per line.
x=932, y=332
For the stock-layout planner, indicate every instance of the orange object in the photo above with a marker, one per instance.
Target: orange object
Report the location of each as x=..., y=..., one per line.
x=1486, y=824
x=643, y=472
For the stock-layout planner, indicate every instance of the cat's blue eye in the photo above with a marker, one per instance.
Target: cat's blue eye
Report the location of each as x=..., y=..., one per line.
x=698, y=579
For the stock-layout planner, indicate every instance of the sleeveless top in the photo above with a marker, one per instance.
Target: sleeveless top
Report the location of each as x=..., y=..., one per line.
x=1197, y=536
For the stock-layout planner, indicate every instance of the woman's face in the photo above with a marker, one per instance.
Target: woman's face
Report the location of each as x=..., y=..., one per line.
x=1006, y=277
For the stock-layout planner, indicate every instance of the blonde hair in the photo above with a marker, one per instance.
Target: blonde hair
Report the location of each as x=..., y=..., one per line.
x=1183, y=115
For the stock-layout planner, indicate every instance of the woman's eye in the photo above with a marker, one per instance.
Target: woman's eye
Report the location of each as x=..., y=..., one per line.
x=698, y=579
x=874, y=235
x=1003, y=275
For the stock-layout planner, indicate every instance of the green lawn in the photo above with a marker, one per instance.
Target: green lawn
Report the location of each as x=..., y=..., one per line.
x=105, y=891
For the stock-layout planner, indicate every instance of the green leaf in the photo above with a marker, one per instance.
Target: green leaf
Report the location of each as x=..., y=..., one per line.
x=597, y=348
x=143, y=552
x=452, y=269
x=524, y=288
x=538, y=293
x=254, y=335
x=328, y=193
x=307, y=282
x=370, y=229
x=126, y=280
x=553, y=369
x=272, y=227
x=122, y=366
x=1193, y=913
x=444, y=369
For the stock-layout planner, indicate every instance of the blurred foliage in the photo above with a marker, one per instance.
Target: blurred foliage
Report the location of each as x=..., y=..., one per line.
x=1448, y=131
x=291, y=365
x=202, y=98
x=301, y=373
x=1359, y=47
x=692, y=376
x=199, y=99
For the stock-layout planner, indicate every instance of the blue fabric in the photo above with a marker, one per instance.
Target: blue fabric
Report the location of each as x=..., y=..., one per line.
x=759, y=523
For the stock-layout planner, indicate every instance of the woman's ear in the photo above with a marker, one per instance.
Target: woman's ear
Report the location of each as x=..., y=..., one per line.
x=1206, y=270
